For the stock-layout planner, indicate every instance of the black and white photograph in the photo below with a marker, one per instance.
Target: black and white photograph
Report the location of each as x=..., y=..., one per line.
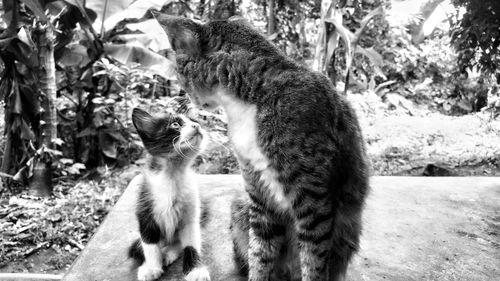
x=260, y=140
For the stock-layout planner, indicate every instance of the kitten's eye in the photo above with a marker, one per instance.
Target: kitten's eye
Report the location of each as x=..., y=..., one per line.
x=175, y=125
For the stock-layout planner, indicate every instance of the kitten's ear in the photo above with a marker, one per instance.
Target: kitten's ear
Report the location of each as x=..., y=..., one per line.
x=184, y=34
x=143, y=122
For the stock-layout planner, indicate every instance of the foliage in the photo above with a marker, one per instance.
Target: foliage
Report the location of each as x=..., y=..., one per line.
x=348, y=21
x=84, y=103
x=428, y=73
x=25, y=88
x=476, y=35
x=111, y=12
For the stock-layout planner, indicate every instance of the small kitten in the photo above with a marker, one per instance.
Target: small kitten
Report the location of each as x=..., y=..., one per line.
x=168, y=207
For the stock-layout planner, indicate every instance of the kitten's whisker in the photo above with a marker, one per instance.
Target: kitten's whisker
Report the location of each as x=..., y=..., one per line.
x=178, y=148
x=195, y=149
x=218, y=142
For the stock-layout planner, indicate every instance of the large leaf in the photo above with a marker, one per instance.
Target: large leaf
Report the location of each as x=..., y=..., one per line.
x=333, y=42
x=69, y=13
x=332, y=39
x=23, y=52
x=433, y=14
x=11, y=17
x=86, y=20
x=110, y=12
x=4, y=87
x=30, y=101
x=364, y=22
x=134, y=54
x=346, y=35
x=74, y=55
x=321, y=44
x=154, y=36
x=25, y=37
x=135, y=10
x=21, y=46
x=36, y=8
x=17, y=107
x=108, y=144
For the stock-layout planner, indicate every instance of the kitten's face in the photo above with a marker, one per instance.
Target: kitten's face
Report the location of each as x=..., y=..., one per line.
x=170, y=135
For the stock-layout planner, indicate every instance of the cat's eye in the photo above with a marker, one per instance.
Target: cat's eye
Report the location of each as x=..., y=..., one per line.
x=175, y=125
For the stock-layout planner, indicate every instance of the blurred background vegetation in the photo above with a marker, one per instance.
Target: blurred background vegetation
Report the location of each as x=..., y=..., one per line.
x=422, y=75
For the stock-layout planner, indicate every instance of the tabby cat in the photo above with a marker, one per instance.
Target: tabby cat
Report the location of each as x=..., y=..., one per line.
x=298, y=143
x=168, y=206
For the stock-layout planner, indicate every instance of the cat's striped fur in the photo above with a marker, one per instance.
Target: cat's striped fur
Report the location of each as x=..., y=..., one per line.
x=168, y=207
x=298, y=143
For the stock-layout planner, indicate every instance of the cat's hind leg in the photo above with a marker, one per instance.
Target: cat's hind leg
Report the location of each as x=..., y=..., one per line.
x=266, y=238
x=239, y=227
x=285, y=268
x=313, y=225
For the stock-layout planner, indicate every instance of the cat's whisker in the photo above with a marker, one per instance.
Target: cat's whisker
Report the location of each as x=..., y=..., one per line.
x=193, y=148
x=178, y=148
x=211, y=138
x=189, y=146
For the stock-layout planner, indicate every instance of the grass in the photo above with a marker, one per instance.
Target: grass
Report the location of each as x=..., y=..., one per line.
x=402, y=142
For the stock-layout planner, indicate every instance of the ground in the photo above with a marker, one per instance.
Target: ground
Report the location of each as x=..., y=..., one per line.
x=45, y=235
x=402, y=140
x=401, y=240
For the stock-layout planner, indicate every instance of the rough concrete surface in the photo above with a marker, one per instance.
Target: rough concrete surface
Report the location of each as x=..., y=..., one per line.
x=414, y=229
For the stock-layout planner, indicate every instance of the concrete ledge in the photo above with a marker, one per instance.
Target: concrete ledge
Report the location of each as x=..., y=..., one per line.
x=414, y=229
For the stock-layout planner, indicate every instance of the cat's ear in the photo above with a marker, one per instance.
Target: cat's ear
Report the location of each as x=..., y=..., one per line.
x=184, y=34
x=143, y=122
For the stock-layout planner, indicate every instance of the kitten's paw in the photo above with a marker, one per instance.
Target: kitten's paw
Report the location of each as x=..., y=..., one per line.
x=170, y=256
x=147, y=272
x=198, y=274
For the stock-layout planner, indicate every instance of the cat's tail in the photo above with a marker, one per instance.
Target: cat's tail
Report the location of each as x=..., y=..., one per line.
x=135, y=251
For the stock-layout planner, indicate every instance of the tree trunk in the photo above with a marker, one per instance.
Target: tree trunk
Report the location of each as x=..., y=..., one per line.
x=7, y=151
x=41, y=182
x=271, y=17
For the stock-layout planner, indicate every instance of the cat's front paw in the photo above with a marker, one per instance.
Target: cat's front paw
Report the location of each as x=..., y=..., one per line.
x=198, y=274
x=147, y=272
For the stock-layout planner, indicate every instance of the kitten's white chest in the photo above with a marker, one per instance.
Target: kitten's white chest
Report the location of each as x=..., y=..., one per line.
x=243, y=135
x=167, y=206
